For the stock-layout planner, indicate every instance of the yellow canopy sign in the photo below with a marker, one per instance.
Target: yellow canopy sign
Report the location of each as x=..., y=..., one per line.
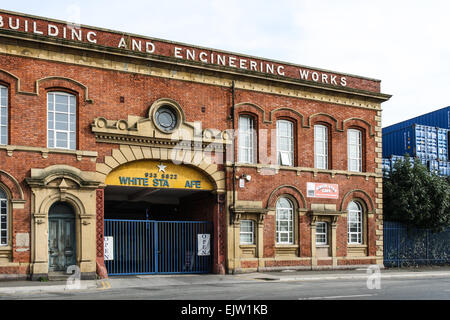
x=157, y=174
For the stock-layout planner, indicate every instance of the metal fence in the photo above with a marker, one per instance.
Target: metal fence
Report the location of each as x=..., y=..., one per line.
x=150, y=247
x=408, y=246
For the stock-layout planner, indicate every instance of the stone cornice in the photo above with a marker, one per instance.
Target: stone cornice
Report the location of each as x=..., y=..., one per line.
x=154, y=142
x=10, y=149
x=239, y=211
x=315, y=214
x=249, y=76
x=141, y=131
x=276, y=168
x=249, y=210
x=127, y=34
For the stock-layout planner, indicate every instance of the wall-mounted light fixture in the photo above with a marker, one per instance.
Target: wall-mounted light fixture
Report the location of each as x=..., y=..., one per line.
x=247, y=177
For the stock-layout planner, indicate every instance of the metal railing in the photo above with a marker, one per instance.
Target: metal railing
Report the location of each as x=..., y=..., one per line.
x=409, y=246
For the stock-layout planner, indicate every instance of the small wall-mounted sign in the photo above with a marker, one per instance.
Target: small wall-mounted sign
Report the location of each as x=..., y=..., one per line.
x=322, y=190
x=109, y=248
x=203, y=244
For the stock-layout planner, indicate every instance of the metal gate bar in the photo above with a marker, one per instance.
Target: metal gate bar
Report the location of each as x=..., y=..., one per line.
x=163, y=247
x=414, y=246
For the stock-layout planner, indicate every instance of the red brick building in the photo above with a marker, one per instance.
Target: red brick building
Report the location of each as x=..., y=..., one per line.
x=124, y=139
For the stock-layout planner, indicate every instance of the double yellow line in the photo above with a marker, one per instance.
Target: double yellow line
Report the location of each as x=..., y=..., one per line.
x=104, y=284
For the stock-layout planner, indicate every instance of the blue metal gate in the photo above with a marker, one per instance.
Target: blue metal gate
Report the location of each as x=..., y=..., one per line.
x=163, y=247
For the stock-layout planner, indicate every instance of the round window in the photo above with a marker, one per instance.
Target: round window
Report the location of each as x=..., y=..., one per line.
x=166, y=118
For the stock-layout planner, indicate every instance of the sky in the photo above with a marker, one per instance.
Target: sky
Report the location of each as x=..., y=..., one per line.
x=405, y=44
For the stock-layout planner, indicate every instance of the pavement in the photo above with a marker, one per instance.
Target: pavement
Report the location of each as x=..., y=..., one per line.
x=117, y=282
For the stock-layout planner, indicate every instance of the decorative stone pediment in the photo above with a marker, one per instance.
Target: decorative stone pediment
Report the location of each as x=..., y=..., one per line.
x=260, y=213
x=324, y=210
x=137, y=130
x=63, y=183
x=62, y=177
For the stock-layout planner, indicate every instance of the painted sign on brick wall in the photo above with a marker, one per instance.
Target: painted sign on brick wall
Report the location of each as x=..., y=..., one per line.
x=322, y=190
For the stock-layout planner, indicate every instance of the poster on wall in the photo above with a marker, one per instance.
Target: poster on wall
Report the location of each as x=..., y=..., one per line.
x=203, y=244
x=322, y=190
x=109, y=248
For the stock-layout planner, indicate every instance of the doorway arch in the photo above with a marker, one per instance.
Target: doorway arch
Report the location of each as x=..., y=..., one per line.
x=154, y=212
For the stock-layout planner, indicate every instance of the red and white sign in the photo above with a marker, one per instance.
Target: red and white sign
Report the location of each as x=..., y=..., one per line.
x=322, y=190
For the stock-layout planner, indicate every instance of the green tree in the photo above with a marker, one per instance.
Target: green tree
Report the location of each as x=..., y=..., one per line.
x=417, y=197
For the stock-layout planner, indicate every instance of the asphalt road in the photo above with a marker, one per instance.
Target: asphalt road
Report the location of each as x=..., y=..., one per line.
x=436, y=288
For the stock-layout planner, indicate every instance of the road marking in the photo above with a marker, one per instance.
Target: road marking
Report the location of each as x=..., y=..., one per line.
x=105, y=285
x=338, y=297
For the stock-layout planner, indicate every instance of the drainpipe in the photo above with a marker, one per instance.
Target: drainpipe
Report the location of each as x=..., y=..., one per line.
x=234, y=151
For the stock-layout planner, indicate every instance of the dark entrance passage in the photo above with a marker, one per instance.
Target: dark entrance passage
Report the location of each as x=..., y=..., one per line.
x=158, y=231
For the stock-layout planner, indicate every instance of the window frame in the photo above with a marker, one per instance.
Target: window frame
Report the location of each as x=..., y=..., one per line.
x=68, y=132
x=4, y=204
x=326, y=146
x=290, y=153
x=290, y=223
x=359, y=224
x=324, y=233
x=169, y=109
x=250, y=132
x=6, y=107
x=252, y=232
x=359, y=157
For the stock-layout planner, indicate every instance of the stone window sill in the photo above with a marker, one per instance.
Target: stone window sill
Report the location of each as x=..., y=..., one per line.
x=281, y=246
x=5, y=254
x=357, y=250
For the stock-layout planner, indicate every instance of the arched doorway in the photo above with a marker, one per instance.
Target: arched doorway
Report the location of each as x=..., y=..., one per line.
x=158, y=219
x=61, y=237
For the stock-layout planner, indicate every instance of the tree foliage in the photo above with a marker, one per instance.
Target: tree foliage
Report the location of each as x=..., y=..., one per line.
x=413, y=195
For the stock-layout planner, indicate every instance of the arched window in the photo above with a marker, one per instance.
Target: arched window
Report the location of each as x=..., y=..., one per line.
x=3, y=115
x=246, y=140
x=3, y=218
x=320, y=146
x=284, y=221
x=61, y=120
x=355, y=223
x=354, y=150
x=285, y=142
